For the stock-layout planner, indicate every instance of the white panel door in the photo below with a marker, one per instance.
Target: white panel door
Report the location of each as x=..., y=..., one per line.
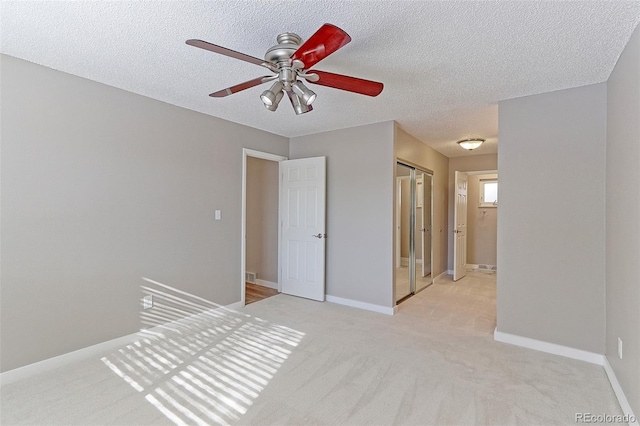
x=460, y=223
x=302, y=209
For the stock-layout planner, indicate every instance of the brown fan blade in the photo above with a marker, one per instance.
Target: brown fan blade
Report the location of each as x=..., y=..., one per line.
x=344, y=82
x=323, y=43
x=228, y=52
x=242, y=86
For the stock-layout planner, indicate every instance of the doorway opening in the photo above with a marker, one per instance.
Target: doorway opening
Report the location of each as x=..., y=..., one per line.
x=283, y=236
x=475, y=222
x=260, y=260
x=413, y=235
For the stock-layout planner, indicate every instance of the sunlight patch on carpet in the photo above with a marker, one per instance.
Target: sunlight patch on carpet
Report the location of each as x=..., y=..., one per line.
x=200, y=363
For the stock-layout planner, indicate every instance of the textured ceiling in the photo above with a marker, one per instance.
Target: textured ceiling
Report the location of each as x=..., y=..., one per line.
x=445, y=65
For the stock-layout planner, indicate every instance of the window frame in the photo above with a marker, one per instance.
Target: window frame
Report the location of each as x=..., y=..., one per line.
x=483, y=203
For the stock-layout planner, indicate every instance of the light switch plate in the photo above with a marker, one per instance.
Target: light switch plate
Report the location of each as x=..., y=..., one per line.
x=218, y=214
x=620, y=347
x=147, y=302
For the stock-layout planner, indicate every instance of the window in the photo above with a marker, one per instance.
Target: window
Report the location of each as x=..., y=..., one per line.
x=488, y=193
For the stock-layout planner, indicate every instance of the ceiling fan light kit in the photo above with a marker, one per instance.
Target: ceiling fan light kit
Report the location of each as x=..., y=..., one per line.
x=276, y=101
x=269, y=96
x=306, y=96
x=298, y=106
x=290, y=61
x=471, y=143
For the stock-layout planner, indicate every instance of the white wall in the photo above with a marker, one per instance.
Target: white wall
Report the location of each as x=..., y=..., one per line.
x=551, y=228
x=623, y=220
x=101, y=187
x=360, y=186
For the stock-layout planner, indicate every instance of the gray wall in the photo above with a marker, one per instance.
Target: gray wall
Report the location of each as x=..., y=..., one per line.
x=360, y=208
x=482, y=225
x=622, y=224
x=262, y=218
x=551, y=228
x=101, y=187
x=464, y=164
x=410, y=149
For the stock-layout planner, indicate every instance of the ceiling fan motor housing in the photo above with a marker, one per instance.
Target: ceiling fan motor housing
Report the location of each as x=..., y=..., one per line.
x=280, y=54
x=288, y=43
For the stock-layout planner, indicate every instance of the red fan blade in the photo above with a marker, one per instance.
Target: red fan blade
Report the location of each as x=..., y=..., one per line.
x=242, y=86
x=323, y=43
x=227, y=52
x=344, y=82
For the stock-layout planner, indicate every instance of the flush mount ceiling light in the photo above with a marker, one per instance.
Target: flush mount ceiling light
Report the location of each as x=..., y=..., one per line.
x=471, y=143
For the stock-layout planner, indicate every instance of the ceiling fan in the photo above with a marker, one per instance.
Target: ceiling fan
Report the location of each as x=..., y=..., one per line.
x=290, y=61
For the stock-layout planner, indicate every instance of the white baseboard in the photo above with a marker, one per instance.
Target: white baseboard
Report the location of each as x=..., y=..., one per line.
x=65, y=359
x=617, y=389
x=49, y=364
x=547, y=347
x=361, y=305
x=265, y=283
x=578, y=354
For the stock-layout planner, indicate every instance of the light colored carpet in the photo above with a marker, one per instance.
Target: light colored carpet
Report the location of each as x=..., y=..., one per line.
x=286, y=360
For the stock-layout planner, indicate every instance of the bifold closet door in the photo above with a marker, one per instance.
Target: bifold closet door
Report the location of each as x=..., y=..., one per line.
x=404, y=228
x=423, y=189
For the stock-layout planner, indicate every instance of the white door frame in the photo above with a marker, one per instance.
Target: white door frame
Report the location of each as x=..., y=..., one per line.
x=243, y=236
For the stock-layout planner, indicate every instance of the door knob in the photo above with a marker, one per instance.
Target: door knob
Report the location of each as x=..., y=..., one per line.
x=320, y=236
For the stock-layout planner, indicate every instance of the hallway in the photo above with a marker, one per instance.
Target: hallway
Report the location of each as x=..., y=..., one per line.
x=468, y=304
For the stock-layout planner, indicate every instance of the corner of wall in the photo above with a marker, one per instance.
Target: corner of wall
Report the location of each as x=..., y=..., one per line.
x=622, y=234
